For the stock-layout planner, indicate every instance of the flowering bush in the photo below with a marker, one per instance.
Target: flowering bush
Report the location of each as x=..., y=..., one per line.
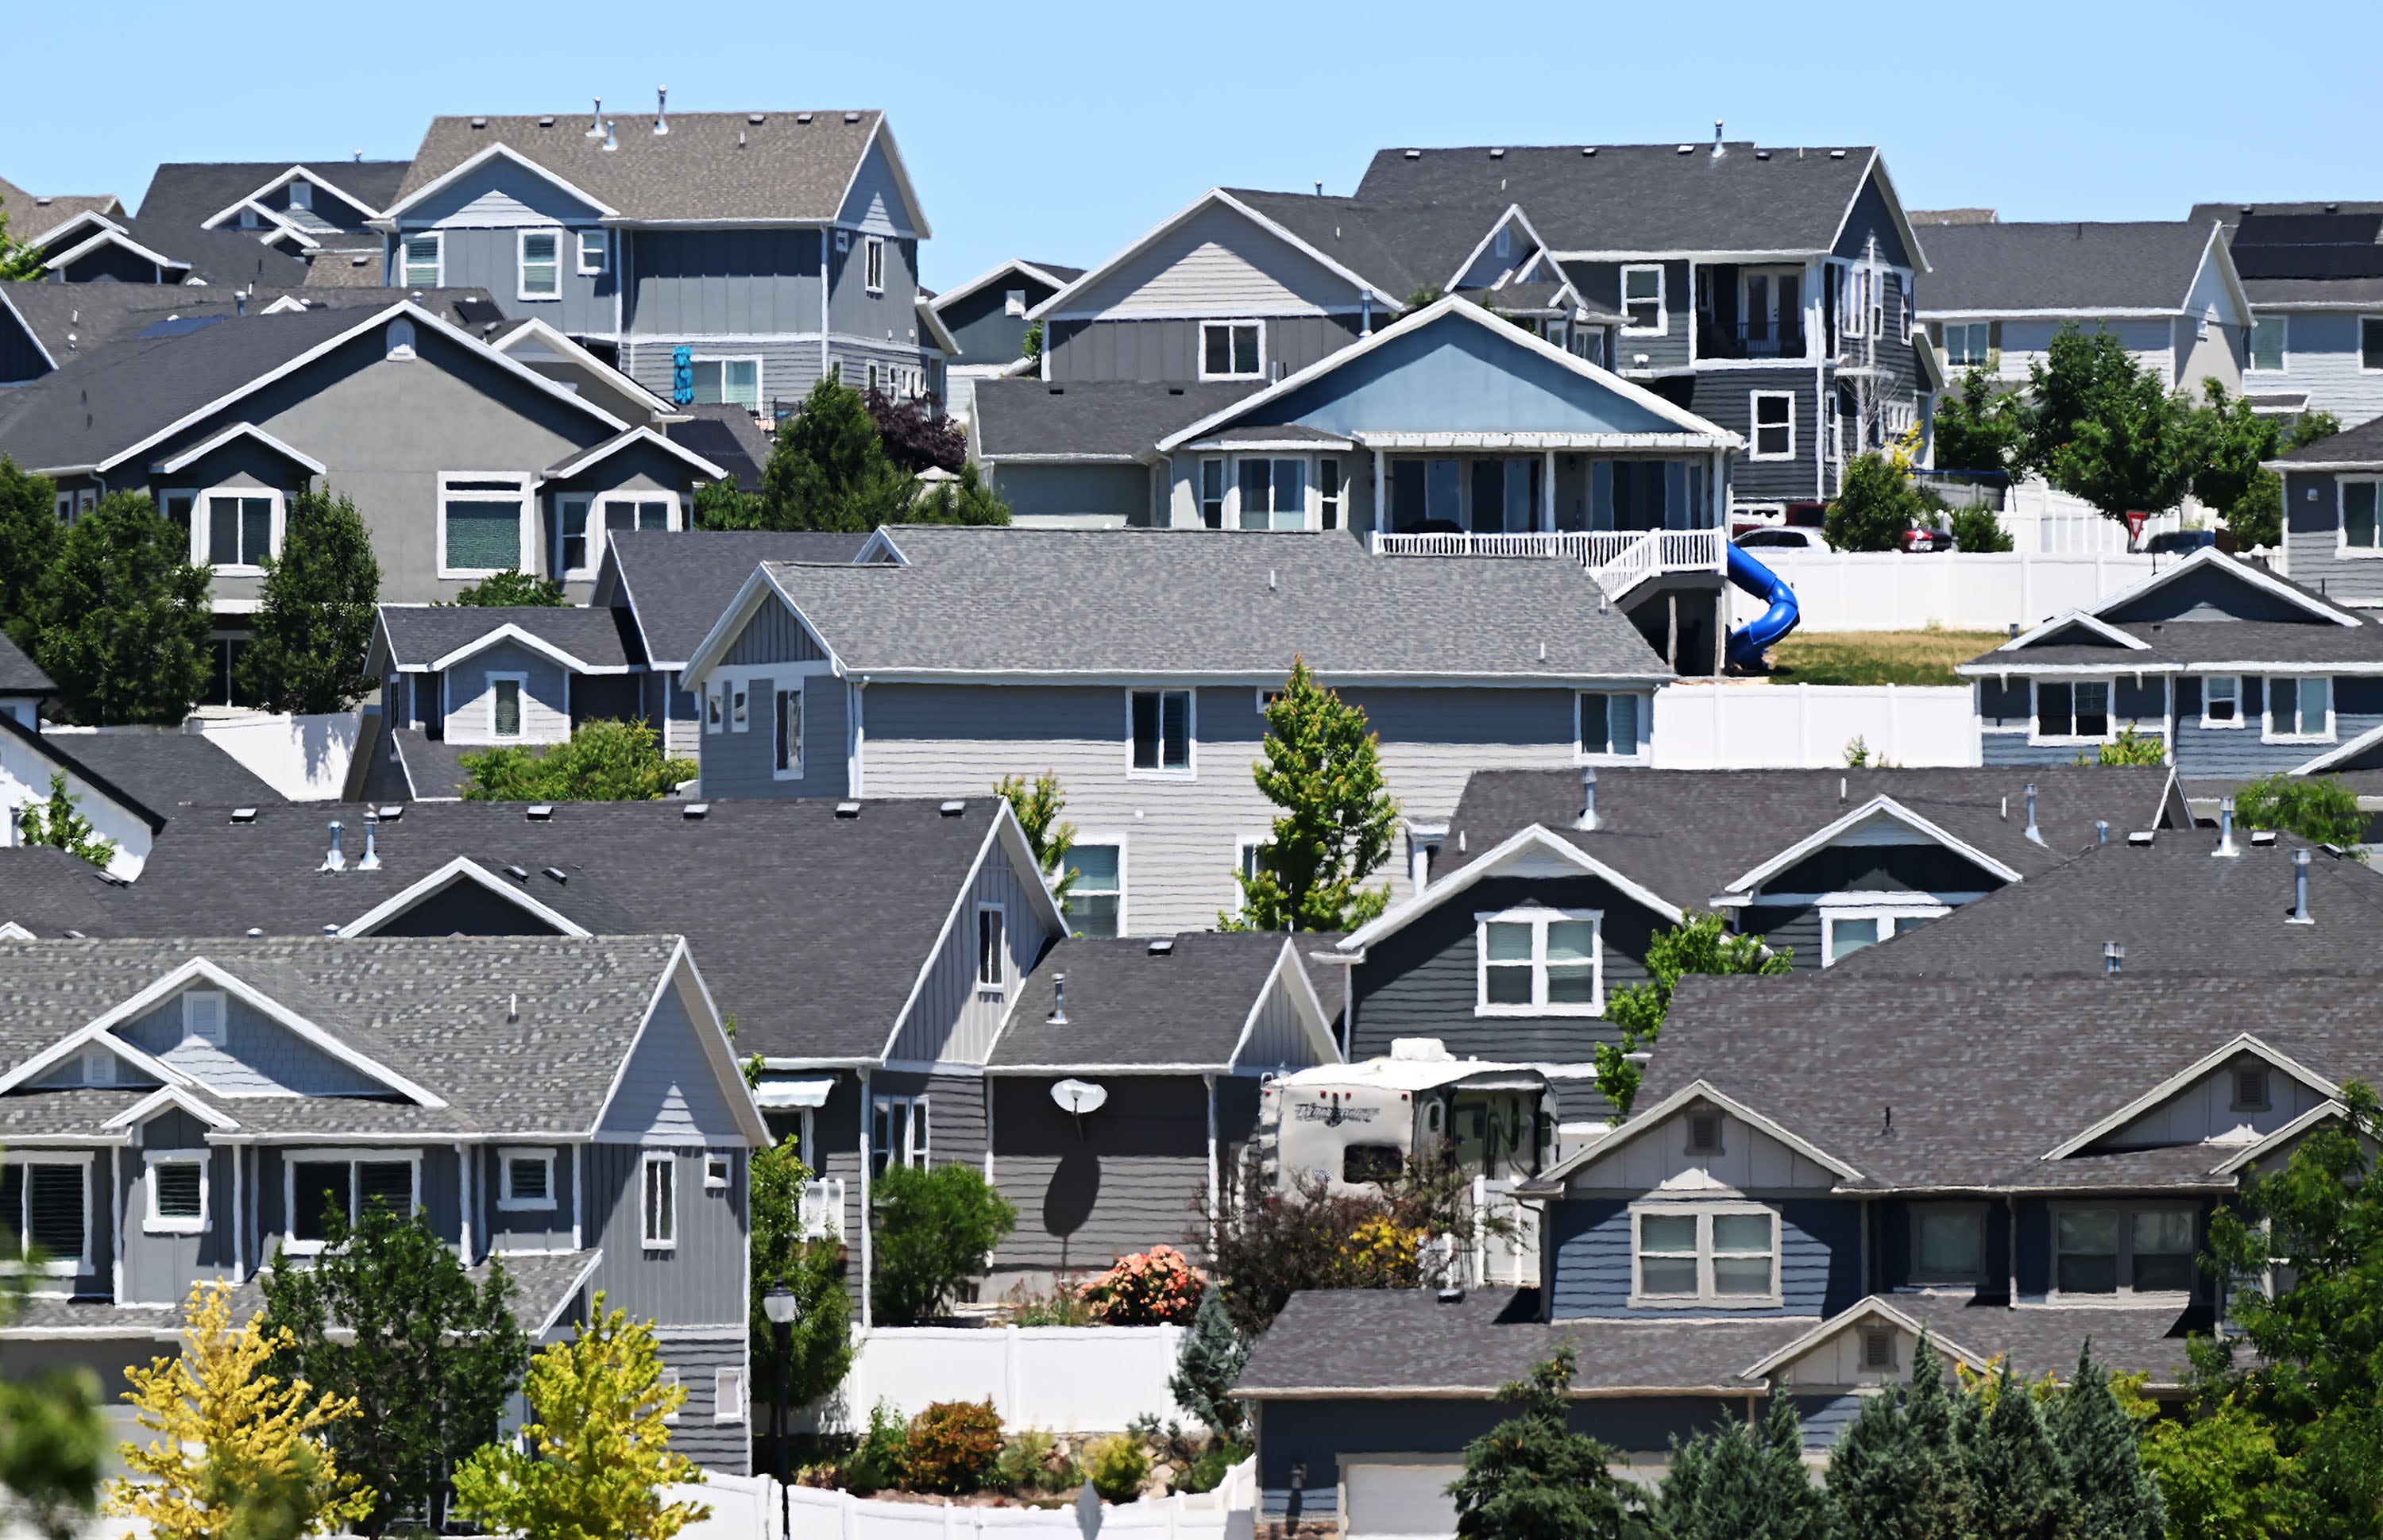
x=1148, y=1289
x=1380, y=1245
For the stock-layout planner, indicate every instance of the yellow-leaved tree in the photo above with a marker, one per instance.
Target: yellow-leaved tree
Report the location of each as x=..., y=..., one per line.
x=239, y=1455
x=600, y=1452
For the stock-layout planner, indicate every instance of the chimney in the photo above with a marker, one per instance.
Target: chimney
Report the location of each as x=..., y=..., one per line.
x=371, y=861
x=596, y=124
x=2225, y=829
x=2114, y=957
x=2100, y=830
x=1587, y=797
x=1058, y=1016
x=2032, y=831
x=335, y=859
x=2299, y=889
x=662, y=110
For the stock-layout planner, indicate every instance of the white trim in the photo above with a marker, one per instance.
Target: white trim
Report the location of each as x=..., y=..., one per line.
x=1887, y=916
x=2109, y=733
x=154, y=1223
x=2219, y=724
x=292, y=1157
x=1217, y=195
x=531, y=326
x=2093, y=623
x=525, y=484
x=165, y=1096
x=112, y=237
x=507, y=1200
x=21, y=1223
x=1754, y=423
x=202, y=526
x=438, y=239
x=881, y=129
x=2209, y=556
x=1539, y=917
x=872, y=255
x=474, y=161
x=2268, y=729
x=39, y=346
x=1190, y=769
x=512, y=631
x=726, y=1072
x=2282, y=1137
x=2183, y=1079
x=997, y=987
x=238, y=430
x=954, y=295
x=1255, y=324
x=2336, y=756
x=520, y=681
x=649, y=1238
x=779, y=743
x=1663, y=327
x=2342, y=549
x=1305, y=1004
x=739, y=614
x=1535, y=839
x=1853, y=1315
x=596, y=528
x=2126, y=1207
x=760, y=380
x=728, y=1393
x=523, y=236
x=256, y=193
x=462, y=868
x=1706, y=1297
x=1749, y=881
x=1661, y=1113
x=579, y=239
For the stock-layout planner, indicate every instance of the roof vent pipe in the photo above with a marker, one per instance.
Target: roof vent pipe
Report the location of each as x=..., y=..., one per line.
x=612, y=137
x=335, y=859
x=2100, y=830
x=2299, y=889
x=371, y=861
x=662, y=109
x=596, y=124
x=1588, y=797
x=1058, y=1016
x=2032, y=831
x=1319, y=187
x=2226, y=846
x=1717, y=139
x=2114, y=957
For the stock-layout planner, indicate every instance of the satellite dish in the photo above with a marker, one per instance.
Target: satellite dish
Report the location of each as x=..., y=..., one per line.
x=1079, y=1096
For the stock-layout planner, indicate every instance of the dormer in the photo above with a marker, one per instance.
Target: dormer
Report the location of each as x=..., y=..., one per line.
x=2237, y=1098
x=1697, y=1141
x=1868, y=1348
x=1881, y=865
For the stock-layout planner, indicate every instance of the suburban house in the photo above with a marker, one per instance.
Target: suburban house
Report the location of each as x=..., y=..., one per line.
x=937, y=664
x=1543, y=895
x=986, y=320
x=711, y=258
x=1766, y=1224
x=2333, y=528
x=2238, y=671
x=463, y=460
x=2314, y=276
x=316, y=214
x=29, y=215
x=1998, y=293
x=180, y=1111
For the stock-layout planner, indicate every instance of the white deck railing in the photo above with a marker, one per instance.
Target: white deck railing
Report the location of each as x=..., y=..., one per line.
x=1618, y=559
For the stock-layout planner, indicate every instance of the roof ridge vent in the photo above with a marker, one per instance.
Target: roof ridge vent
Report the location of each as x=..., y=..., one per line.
x=852, y=118
x=556, y=873
x=392, y=810
x=953, y=808
x=2142, y=838
x=538, y=812
x=518, y=873
x=2262, y=839
x=244, y=815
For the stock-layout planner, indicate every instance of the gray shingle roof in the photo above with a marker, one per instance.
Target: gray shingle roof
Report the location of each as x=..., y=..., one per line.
x=2361, y=445
x=784, y=168
x=424, y=767
x=98, y=315
x=1103, y=419
x=2038, y=1340
x=1640, y=197
x=1210, y=603
x=221, y=258
x=162, y=770
x=416, y=635
x=184, y=193
x=726, y=435
x=1129, y=1005
x=2144, y=265
x=49, y=892
x=677, y=585
x=2203, y=642
x=1399, y=248
x=20, y=675
x=30, y=216
x=808, y=927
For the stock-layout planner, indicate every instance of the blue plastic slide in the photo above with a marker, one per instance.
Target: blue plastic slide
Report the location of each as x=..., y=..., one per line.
x=1747, y=643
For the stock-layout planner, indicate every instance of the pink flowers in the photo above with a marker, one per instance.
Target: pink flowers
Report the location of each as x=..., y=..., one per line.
x=1148, y=1289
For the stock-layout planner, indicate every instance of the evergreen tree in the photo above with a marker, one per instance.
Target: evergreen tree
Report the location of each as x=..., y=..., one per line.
x=513, y=588
x=1876, y=504
x=1532, y=1478
x=820, y=1345
x=1325, y=771
x=1207, y=1366
x=1700, y=943
x=829, y=470
x=719, y=505
x=386, y=1318
x=1038, y=808
x=965, y=501
x=2018, y=1482
x=315, y=617
x=120, y=617
x=2117, y=1498
x=54, y=821
x=1744, y=1483
x=1895, y=1473
x=29, y=545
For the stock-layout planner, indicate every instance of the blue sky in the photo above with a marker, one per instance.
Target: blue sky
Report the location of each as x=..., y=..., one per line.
x=1059, y=132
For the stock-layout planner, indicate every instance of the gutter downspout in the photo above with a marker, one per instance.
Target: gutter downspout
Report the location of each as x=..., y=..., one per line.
x=239, y=1216
x=463, y=1196
x=1817, y=330
x=826, y=256
x=868, y=1259
x=1209, y=1081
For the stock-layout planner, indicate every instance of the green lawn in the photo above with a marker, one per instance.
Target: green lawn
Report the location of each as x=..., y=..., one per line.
x=1878, y=657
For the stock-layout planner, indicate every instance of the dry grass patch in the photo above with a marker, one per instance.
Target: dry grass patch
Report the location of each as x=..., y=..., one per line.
x=1878, y=657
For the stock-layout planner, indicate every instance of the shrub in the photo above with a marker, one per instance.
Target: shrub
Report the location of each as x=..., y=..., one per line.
x=2129, y=747
x=1034, y=1461
x=954, y=1445
x=2322, y=808
x=1875, y=504
x=1062, y=1307
x=1978, y=529
x=935, y=1230
x=1148, y=1288
x=1207, y=1473
x=883, y=1458
x=511, y=589
x=1117, y=1466
x=1270, y=1245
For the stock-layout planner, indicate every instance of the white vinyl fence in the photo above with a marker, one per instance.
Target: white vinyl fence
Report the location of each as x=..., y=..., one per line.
x=1228, y=1513
x=1846, y=590
x=304, y=758
x=1062, y=1379
x=2044, y=521
x=1757, y=726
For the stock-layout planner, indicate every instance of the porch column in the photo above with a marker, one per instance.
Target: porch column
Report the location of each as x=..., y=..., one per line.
x=1547, y=495
x=1381, y=492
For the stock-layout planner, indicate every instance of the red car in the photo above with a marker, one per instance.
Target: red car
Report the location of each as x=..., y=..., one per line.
x=1922, y=538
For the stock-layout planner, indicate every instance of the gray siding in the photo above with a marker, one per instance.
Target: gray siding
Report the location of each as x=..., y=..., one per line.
x=698, y=1282
x=258, y=1054
x=2322, y=356
x=669, y=1093
x=953, y=1019
x=160, y=1266
x=1826, y=1418
x=20, y=356
x=1279, y=1038
x=773, y=635
x=490, y=259
x=1820, y=1264
x=746, y=764
x=470, y=705
x=790, y=364
x=2211, y=594
x=724, y=283
x=1726, y=396
x=1120, y=492
x=2313, y=550
x=440, y=1190
x=535, y=1229
x=1126, y=1180
x=723, y=1445
x=1167, y=351
x=888, y=316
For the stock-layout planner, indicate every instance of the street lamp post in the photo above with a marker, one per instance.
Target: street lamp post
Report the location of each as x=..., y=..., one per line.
x=780, y=1306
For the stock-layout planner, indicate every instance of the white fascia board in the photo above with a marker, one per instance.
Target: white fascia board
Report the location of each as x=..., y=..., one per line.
x=1272, y=680
x=2091, y=312
x=2209, y=556
x=1788, y=253
x=1021, y=856
x=2280, y=466
x=1924, y=351
x=1535, y=839
x=2199, y=1070
x=462, y=868
x=1513, y=213
x=1903, y=228
x=256, y=196
x=2335, y=755
x=952, y=296
x=39, y=346
x=238, y=430
x=2224, y=256
x=93, y=1034
x=2323, y=1111
x=1525, y=439
x=1879, y=803
x=171, y=1095
x=533, y=327
x=758, y=588
x=511, y=632
x=1654, y=1116
x=880, y=546
x=614, y=444
x=881, y=130
x=1288, y=969
x=2093, y=623
x=1217, y=195
x=473, y=163
x=1708, y=433
x=88, y=217
x=717, y=1050
x=934, y=950
x=939, y=334
x=112, y=237
x=1876, y=1305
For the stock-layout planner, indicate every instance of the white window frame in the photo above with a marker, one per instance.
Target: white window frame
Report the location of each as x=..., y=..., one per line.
x=155, y=1222
x=1190, y=769
x=740, y=705
x=669, y=1382
x=2342, y=549
x=202, y=528
x=713, y=718
x=1307, y=493
x=2219, y=723
x=511, y=1202
x=717, y=1172
x=998, y=985
x=1662, y=326
x=302, y=194
x=1754, y=424
x=2282, y=323
x=1918, y=1274
x=1538, y=917
x=1206, y=326
x=294, y=1158
x=603, y=246
x=2364, y=322
x=1706, y=1297
x=521, y=705
x=872, y=264
x=1889, y=916
x=522, y=238
x=1643, y=735
x=2267, y=730
x=779, y=692
x=647, y=1240
x=761, y=374
x=2035, y=734
x=2125, y=1210
x=909, y=1116
x=1245, y=850
x=1105, y=839
x=728, y=1394
x=451, y=484
x=1223, y=500
x=1984, y=354
x=21, y=1222
x=223, y=1023
x=1013, y=303
x=406, y=263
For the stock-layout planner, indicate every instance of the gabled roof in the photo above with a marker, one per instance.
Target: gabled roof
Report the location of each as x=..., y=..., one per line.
x=1233, y=201
x=1020, y=422
x=20, y=675
x=2357, y=448
x=113, y=236
x=2077, y=619
x=526, y=338
x=2143, y=268
x=173, y=463
x=422, y=638
x=28, y=216
x=2185, y=642
x=675, y=584
x=724, y=434
x=1887, y=1308
x=188, y=192
x=1051, y=275
x=1207, y=987
x=1696, y=1092
x=2245, y=1045
x=47, y=891
x=72, y=321
x=1400, y=249
x=154, y=773
x=1532, y=849
x=578, y=461
x=348, y=190
x=1880, y=807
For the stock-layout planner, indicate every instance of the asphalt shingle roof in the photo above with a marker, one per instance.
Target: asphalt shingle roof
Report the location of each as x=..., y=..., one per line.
x=1209, y=603
x=20, y=675
x=2187, y=642
x=2361, y=444
x=1129, y=1005
x=165, y=771
x=1397, y=248
x=1105, y=419
x=726, y=435
x=710, y=165
x=49, y=891
x=417, y=635
x=676, y=586
x=2148, y=264
x=98, y=315
x=185, y=192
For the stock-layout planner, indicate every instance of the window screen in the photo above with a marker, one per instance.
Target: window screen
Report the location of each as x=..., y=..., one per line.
x=483, y=532
x=239, y=530
x=507, y=708
x=178, y=1189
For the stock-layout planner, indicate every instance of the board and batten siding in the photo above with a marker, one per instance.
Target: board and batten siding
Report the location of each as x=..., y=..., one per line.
x=1725, y=397
x=716, y=1435
x=2220, y=751
x=1091, y=1189
x=1216, y=262
x=1750, y=1161
x=160, y=1265
x=701, y=1281
x=439, y=1190
x=1105, y=494
x=527, y=1229
x=744, y=764
x=952, y=1019
x=1167, y=351
x=669, y=1093
x=1279, y=1037
x=1820, y=1261
x=470, y=705
x=725, y=284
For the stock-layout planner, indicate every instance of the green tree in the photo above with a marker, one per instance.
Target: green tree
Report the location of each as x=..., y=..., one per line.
x=2229, y=476
x=1206, y=1367
x=2117, y=1497
x=965, y=501
x=1038, y=808
x=1031, y=345
x=512, y=589
x=1744, y=1483
x=598, y=1452
x=2220, y=1476
x=29, y=536
x=20, y=260
x=54, y=821
x=316, y=613
x=1532, y=1478
x=829, y=470
x=1700, y=943
x=1876, y=505
x=52, y=1439
x=2108, y=430
x=1324, y=769
x=386, y=1317
x=1975, y=528
x=602, y=761
x=719, y=505
x=2018, y=1482
x=1986, y=427
x=2319, y=808
x=935, y=1230
x=2129, y=747
x=819, y=1346
x=120, y=616
x=1895, y=1474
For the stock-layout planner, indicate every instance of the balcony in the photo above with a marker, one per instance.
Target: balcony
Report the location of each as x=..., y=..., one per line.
x=1618, y=559
x=1737, y=340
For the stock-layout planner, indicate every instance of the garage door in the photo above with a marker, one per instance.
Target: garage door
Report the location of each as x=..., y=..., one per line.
x=1399, y=1502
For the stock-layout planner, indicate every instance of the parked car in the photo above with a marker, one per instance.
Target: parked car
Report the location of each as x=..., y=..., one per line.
x=1781, y=536
x=1926, y=537
x=2180, y=542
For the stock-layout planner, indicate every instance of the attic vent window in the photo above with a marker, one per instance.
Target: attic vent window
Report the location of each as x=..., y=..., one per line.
x=244, y=815
x=399, y=338
x=1704, y=1133
x=2250, y=1088
x=1878, y=1348
x=538, y=812
x=202, y=1015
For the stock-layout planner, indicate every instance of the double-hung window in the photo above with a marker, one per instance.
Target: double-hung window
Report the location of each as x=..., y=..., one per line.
x=1846, y=930
x=2221, y=701
x=1159, y=722
x=541, y=264
x=1642, y=301
x=2300, y=706
x=1609, y=724
x=1969, y=343
x=1098, y=897
x=318, y=1183
x=728, y=381
x=873, y=261
x=591, y=252
x=992, y=949
x=177, y=1194
x=241, y=527
x=1231, y=350
x=2360, y=535
x=2072, y=709
x=2266, y=350
x=1330, y=490
x=897, y=1133
x=1274, y=493
x=1706, y=1256
x=1536, y=961
x=2122, y=1251
x=420, y=261
x=786, y=729
x=658, y=1200
x=1948, y=1243
x=1775, y=425
x=46, y=1204
x=484, y=525
x=1212, y=494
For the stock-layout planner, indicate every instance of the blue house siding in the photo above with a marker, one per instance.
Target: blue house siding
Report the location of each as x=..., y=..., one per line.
x=1892, y=1241
x=1826, y=1418
x=1820, y=1264
x=2211, y=594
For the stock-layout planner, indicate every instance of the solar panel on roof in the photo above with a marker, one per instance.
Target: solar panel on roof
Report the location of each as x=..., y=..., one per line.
x=176, y=326
x=478, y=312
